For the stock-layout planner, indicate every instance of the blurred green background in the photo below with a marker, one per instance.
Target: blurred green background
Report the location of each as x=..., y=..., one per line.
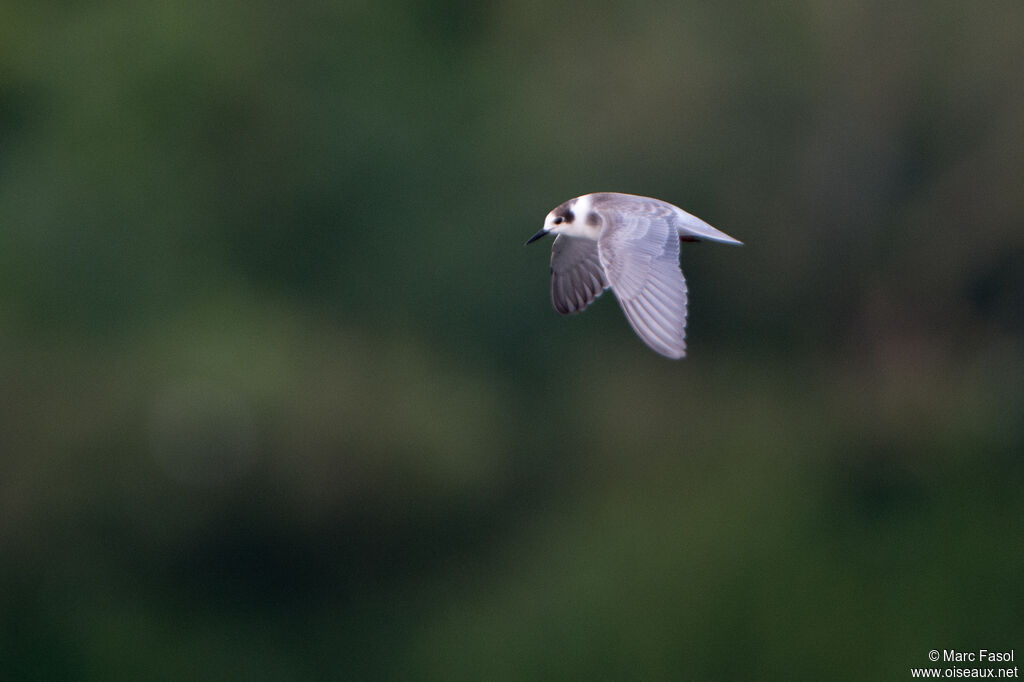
x=282, y=396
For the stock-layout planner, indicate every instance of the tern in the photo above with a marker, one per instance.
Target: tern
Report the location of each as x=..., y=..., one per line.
x=630, y=244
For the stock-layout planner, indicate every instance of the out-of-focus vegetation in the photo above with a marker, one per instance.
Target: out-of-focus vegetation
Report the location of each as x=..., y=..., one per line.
x=282, y=395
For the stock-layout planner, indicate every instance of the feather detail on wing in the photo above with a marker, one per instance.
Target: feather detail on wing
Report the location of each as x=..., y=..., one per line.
x=640, y=254
x=577, y=276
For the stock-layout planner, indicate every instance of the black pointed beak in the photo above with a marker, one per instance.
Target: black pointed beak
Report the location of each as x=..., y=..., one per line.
x=543, y=232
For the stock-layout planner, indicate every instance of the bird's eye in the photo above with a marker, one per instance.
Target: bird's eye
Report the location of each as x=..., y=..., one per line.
x=557, y=221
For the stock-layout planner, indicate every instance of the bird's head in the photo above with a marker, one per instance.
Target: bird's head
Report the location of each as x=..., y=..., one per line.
x=567, y=219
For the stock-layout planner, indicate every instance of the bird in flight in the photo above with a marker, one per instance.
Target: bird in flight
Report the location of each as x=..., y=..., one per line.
x=630, y=244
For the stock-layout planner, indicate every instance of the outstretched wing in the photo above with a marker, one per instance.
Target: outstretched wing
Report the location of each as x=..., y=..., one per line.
x=639, y=249
x=577, y=277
